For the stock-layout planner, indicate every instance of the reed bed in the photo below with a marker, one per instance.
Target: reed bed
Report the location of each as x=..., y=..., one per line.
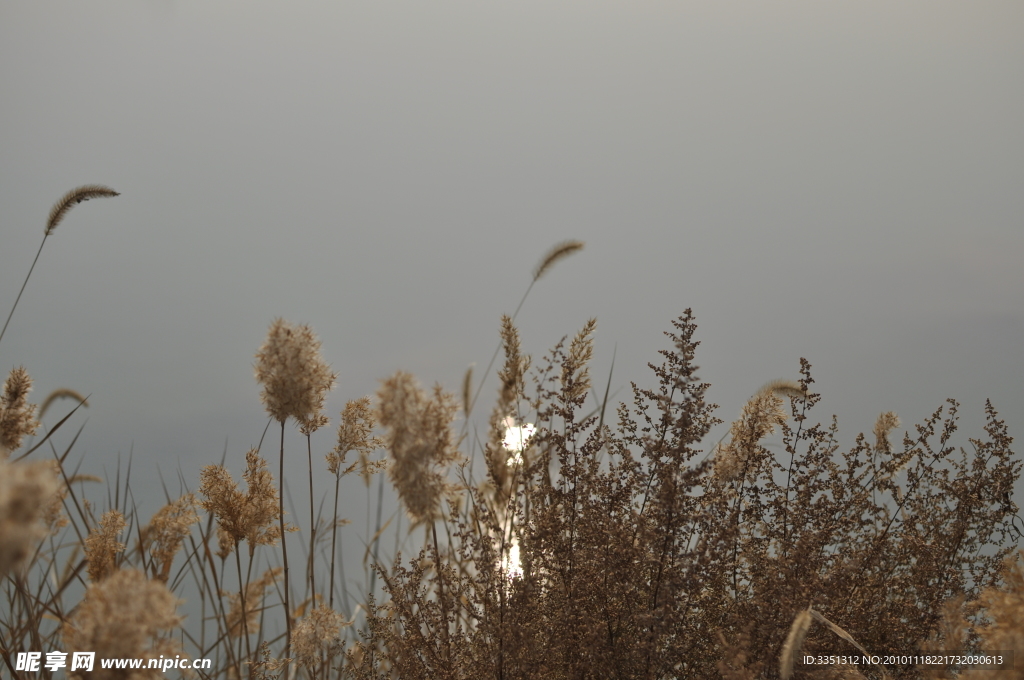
x=618, y=542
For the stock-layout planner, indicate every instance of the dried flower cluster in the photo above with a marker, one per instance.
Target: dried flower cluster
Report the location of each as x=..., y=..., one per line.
x=294, y=376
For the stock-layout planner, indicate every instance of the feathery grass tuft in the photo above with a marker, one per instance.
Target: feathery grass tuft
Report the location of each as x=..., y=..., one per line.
x=73, y=198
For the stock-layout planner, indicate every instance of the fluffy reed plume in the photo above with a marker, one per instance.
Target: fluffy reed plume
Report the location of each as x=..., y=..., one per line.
x=53, y=515
x=17, y=416
x=255, y=591
x=761, y=414
x=294, y=376
x=784, y=388
x=576, y=369
x=248, y=516
x=122, y=617
x=167, y=531
x=794, y=642
x=512, y=375
x=61, y=393
x=318, y=636
x=355, y=434
x=886, y=423
x=420, y=442
x=102, y=546
x=73, y=198
x=27, y=494
x=559, y=252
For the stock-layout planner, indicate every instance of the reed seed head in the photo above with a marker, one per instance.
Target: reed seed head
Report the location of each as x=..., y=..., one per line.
x=27, y=493
x=102, y=546
x=17, y=416
x=250, y=516
x=294, y=376
x=255, y=591
x=122, y=617
x=316, y=635
x=167, y=531
x=886, y=423
x=420, y=441
x=354, y=434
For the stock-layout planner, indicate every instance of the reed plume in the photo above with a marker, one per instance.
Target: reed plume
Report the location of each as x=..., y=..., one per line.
x=251, y=604
x=166, y=532
x=420, y=442
x=294, y=376
x=102, y=546
x=250, y=516
x=122, y=617
x=27, y=495
x=17, y=416
x=318, y=637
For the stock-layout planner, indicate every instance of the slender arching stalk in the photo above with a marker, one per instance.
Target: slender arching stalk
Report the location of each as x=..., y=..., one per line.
x=57, y=213
x=284, y=555
x=312, y=524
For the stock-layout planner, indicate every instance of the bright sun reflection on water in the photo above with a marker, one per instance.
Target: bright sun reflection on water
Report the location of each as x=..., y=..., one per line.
x=517, y=438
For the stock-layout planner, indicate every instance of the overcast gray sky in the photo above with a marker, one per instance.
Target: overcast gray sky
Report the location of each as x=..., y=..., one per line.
x=842, y=181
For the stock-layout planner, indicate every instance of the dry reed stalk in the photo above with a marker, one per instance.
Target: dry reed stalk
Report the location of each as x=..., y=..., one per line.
x=295, y=381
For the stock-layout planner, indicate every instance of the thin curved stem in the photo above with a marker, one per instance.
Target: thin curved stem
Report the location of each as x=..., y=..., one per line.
x=23, y=284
